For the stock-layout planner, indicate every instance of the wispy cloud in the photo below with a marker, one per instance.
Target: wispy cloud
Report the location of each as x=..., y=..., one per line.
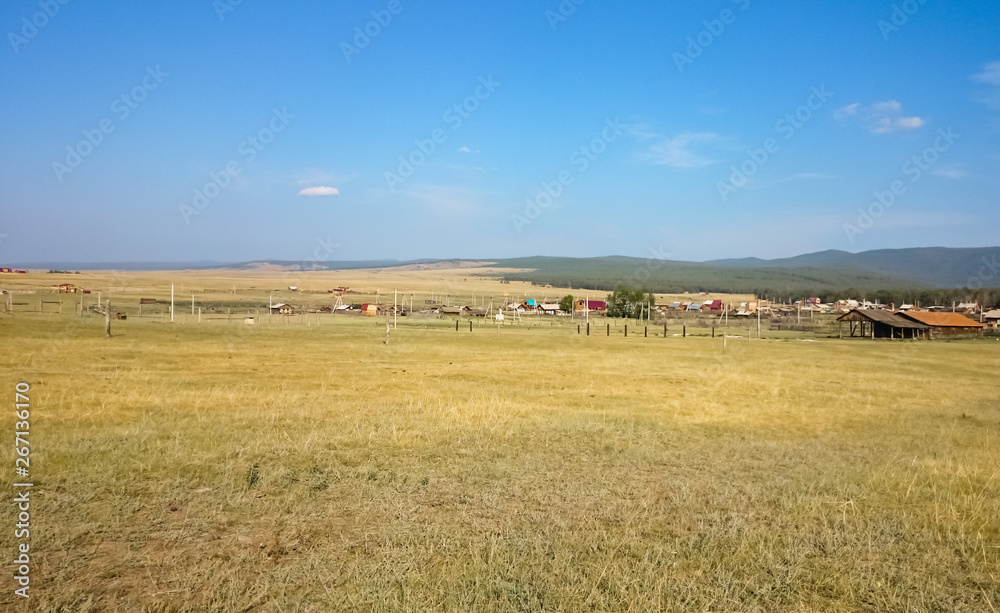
x=950, y=171
x=445, y=200
x=880, y=118
x=321, y=190
x=464, y=149
x=680, y=151
x=801, y=176
x=990, y=76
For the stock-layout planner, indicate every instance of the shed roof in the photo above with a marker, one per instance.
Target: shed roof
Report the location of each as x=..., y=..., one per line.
x=994, y=314
x=883, y=317
x=943, y=320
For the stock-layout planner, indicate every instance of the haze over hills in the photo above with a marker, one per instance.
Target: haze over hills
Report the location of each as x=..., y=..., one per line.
x=934, y=266
x=824, y=271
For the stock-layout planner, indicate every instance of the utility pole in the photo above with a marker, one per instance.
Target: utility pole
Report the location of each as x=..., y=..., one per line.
x=107, y=317
x=171, y=302
x=395, y=294
x=758, y=318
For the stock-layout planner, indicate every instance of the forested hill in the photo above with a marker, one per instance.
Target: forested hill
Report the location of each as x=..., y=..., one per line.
x=816, y=273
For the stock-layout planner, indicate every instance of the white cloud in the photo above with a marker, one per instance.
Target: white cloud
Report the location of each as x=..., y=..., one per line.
x=677, y=152
x=990, y=76
x=880, y=118
x=950, y=171
x=848, y=111
x=320, y=191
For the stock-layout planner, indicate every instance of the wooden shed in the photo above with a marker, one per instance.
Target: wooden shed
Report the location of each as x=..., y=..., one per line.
x=992, y=317
x=952, y=325
x=870, y=323
x=282, y=309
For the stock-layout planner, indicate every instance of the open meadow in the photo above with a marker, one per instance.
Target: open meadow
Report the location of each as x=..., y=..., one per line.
x=313, y=466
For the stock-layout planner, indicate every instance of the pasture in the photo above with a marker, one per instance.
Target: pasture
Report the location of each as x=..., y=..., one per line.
x=185, y=467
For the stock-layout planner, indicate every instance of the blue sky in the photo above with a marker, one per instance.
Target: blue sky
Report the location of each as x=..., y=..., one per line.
x=230, y=131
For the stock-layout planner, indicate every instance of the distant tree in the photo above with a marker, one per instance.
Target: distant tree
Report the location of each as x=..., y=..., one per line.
x=629, y=302
x=566, y=303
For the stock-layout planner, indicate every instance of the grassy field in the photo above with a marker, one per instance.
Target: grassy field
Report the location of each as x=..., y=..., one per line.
x=317, y=468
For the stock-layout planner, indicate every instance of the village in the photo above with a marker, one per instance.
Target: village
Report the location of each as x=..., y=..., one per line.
x=845, y=318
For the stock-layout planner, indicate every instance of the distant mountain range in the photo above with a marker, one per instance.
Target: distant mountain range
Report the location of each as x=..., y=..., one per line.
x=824, y=271
x=934, y=266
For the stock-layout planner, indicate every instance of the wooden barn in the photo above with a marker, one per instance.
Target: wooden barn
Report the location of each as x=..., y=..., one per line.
x=369, y=309
x=992, y=317
x=866, y=323
x=67, y=288
x=282, y=309
x=948, y=325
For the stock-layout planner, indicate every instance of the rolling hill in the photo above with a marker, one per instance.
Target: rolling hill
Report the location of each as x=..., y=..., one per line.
x=817, y=273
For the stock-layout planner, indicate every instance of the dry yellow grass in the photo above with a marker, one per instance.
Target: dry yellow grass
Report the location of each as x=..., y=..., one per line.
x=319, y=469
